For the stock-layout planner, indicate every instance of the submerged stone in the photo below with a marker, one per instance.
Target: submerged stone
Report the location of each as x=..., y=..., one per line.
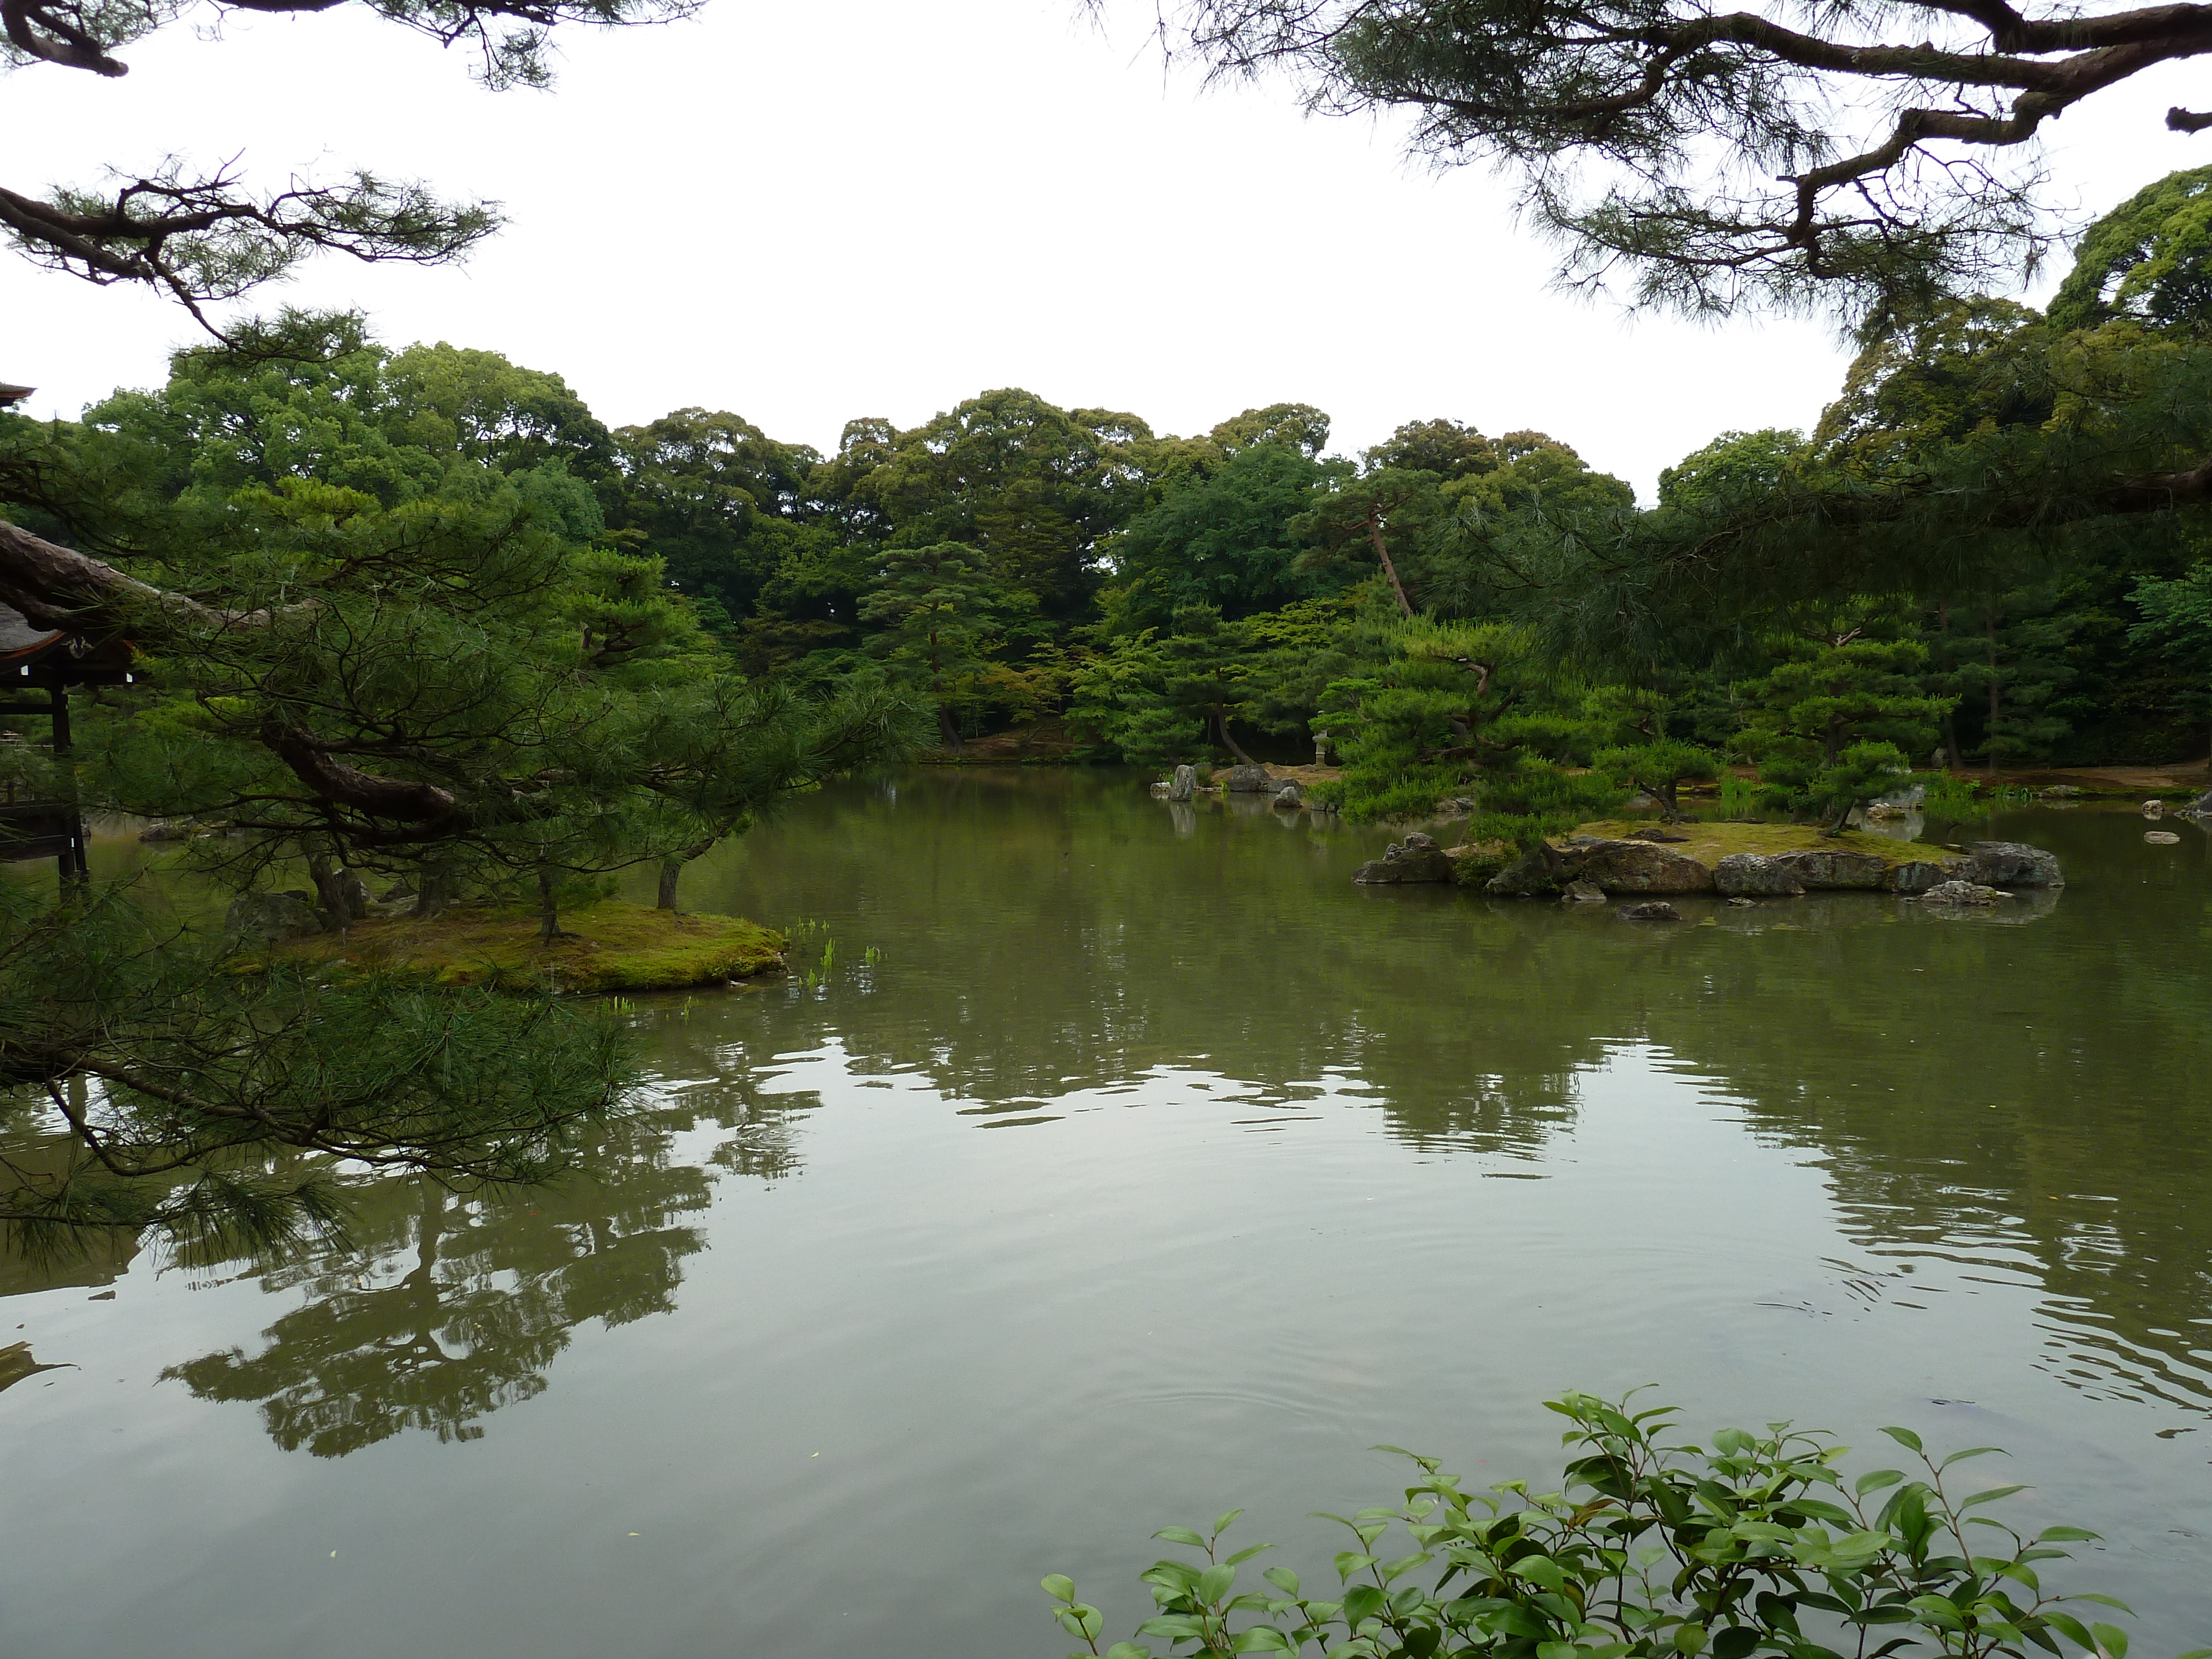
x=1653, y=910
x=1958, y=893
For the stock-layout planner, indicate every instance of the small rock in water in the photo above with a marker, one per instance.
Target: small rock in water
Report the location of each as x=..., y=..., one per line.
x=1583, y=892
x=1249, y=780
x=2012, y=864
x=1185, y=780
x=1289, y=796
x=2160, y=837
x=2154, y=808
x=1418, y=858
x=1957, y=893
x=1741, y=903
x=1654, y=910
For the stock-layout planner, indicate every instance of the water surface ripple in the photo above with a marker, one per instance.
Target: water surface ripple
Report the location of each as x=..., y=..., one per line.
x=1101, y=1165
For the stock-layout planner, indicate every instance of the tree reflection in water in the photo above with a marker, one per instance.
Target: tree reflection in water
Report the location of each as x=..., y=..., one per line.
x=449, y=1307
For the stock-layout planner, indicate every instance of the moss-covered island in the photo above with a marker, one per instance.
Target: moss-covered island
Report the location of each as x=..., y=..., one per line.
x=612, y=945
x=1709, y=843
x=1734, y=859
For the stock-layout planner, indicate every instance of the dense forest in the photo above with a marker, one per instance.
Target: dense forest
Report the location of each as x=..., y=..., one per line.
x=1925, y=577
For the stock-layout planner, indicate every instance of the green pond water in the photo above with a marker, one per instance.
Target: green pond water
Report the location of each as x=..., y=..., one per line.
x=1126, y=1164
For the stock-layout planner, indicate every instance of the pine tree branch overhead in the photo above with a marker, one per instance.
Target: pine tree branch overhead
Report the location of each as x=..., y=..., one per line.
x=1803, y=156
x=206, y=236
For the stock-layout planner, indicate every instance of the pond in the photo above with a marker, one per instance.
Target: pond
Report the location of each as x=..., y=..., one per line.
x=1102, y=1164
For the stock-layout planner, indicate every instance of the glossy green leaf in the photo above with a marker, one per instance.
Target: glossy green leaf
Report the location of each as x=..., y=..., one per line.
x=1181, y=1536
x=1970, y=1451
x=1905, y=1438
x=1058, y=1585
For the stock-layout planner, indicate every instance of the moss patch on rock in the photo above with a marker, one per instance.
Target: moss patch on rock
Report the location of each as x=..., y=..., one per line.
x=614, y=946
x=1709, y=843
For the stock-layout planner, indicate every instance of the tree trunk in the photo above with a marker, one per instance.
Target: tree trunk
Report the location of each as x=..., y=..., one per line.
x=330, y=887
x=549, y=912
x=1669, y=811
x=1990, y=738
x=949, y=732
x=431, y=898
x=1383, y=552
x=1221, y=727
x=671, y=868
x=1953, y=760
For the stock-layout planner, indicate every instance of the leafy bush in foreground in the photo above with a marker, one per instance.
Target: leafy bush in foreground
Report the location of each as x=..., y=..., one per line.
x=1755, y=1547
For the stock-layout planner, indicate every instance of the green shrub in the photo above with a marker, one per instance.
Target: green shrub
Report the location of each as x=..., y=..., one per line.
x=1474, y=869
x=1739, y=797
x=1951, y=798
x=1649, y=1551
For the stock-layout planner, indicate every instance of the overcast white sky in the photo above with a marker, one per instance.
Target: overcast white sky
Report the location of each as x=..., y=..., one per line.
x=805, y=212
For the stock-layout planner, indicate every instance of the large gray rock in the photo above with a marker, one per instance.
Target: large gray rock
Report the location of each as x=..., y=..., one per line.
x=1185, y=780
x=1610, y=866
x=1917, y=877
x=1754, y=874
x=1417, y=858
x=1582, y=893
x=271, y=918
x=1248, y=780
x=1289, y=796
x=1832, y=869
x=2011, y=864
x=1642, y=866
x=1537, y=871
x=2202, y=806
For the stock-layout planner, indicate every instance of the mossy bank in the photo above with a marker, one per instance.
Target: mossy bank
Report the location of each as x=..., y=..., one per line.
x=612, y=945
